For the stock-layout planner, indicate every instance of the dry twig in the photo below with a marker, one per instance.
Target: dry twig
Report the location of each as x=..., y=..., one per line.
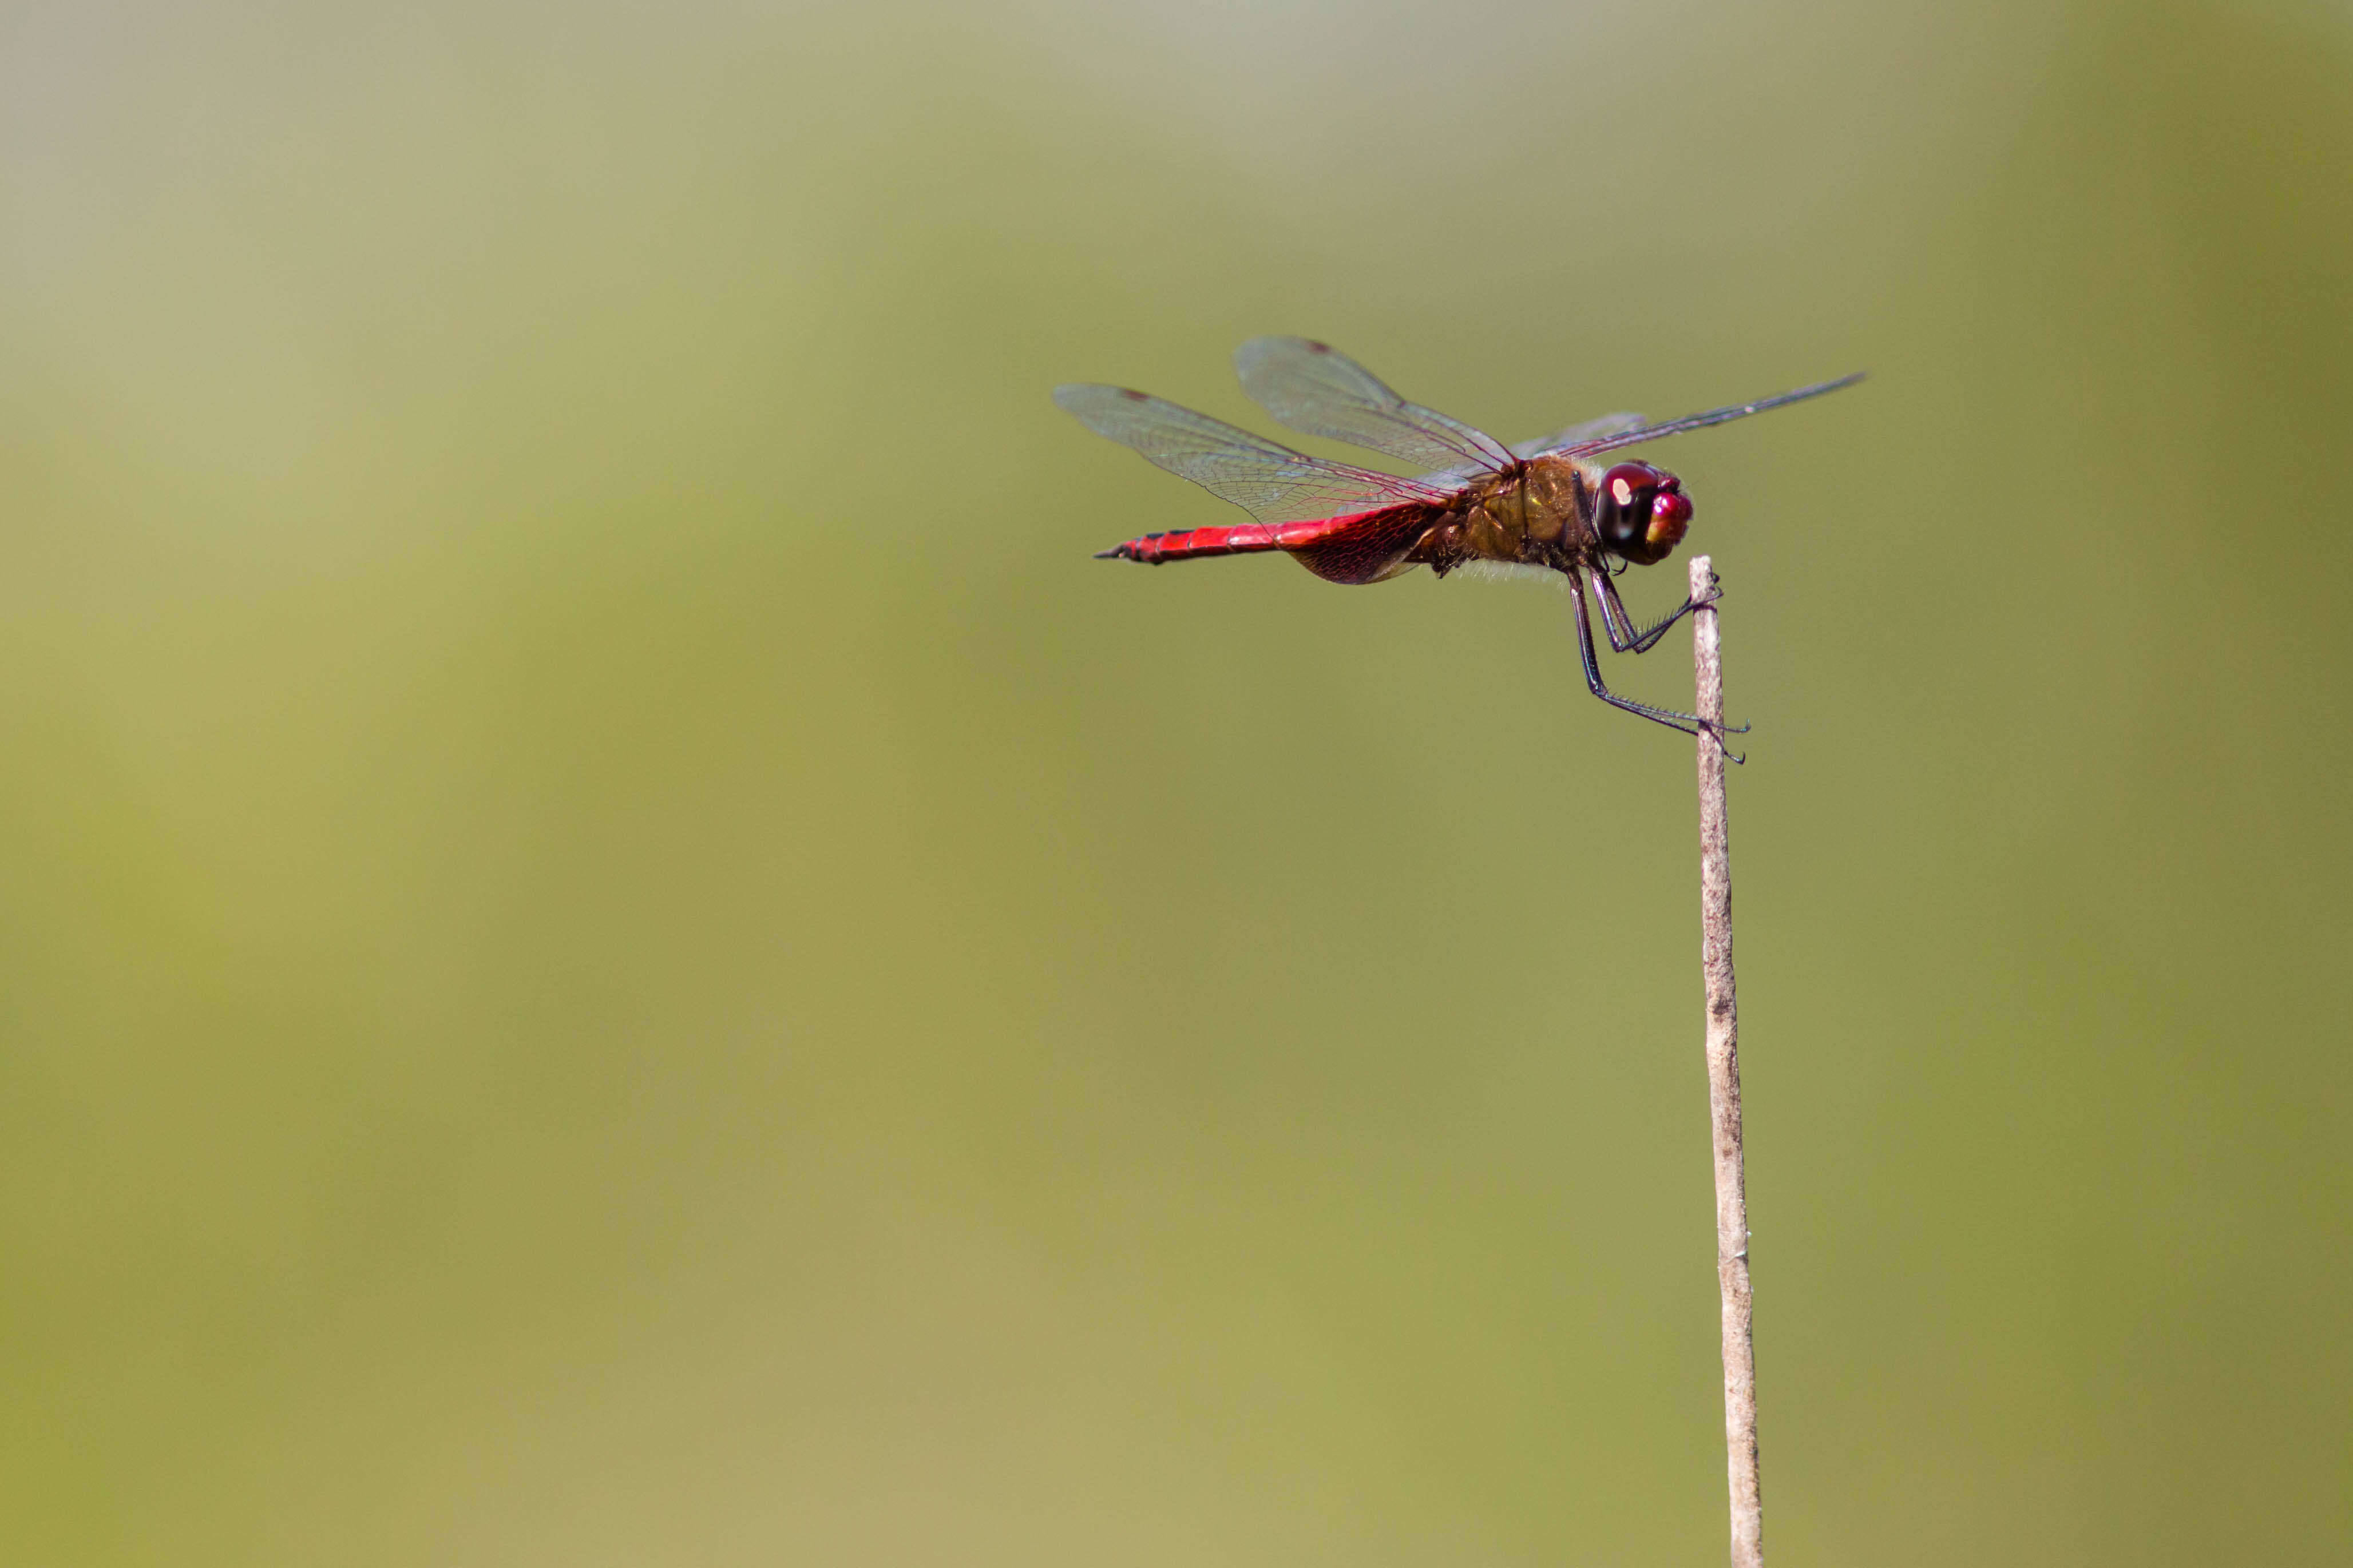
x=1723, y=1090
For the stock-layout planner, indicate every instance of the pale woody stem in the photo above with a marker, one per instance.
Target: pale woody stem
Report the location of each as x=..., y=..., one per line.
x=1724, y=1092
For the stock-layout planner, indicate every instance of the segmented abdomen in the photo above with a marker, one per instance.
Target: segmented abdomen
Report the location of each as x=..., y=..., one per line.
x=1361, y=547
x=1250, y=538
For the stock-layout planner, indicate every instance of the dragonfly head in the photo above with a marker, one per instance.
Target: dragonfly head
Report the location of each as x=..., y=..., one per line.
x=1642, y=513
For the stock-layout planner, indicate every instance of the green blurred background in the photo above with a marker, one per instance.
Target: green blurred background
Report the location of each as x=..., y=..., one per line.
x=617, y=951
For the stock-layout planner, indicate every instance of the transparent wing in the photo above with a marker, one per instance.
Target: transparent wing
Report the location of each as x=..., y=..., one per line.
x=1265, y=478
x=1313, y=387
x=1610, y=443
x=1591, y=430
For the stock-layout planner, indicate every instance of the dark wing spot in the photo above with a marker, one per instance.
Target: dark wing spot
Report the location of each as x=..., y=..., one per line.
x=1133, y=395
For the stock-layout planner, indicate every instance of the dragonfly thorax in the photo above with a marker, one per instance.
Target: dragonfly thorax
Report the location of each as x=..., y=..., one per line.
x=1526, y=514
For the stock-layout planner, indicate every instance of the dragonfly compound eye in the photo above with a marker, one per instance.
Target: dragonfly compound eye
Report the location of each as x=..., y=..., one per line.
x=1625, y=517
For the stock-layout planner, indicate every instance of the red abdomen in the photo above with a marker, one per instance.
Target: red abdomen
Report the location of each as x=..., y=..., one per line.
x=1360, y=547
x=1249, y=539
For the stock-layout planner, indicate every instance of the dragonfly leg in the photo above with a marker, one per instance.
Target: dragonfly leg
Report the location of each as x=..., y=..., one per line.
x=1688, y=724
x=1623, y=637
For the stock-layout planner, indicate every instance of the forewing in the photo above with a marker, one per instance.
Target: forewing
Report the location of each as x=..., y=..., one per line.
x=1265, y=478
x=1702, y=421
x=1591, y=430
x=1313, y=387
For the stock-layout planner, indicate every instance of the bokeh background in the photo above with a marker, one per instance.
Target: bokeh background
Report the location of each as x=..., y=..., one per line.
x=614, y=949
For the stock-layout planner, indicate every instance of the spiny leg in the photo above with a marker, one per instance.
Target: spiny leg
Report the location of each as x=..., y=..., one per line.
x=1687, y=723
x=1643, y=642
x=1615, y=621
x=1623, y=637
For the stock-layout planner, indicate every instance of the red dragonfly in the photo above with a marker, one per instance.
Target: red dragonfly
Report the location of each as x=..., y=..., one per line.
x=1543, y=506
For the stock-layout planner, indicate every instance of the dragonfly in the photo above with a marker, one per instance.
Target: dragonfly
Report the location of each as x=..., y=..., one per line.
x=1550, y=506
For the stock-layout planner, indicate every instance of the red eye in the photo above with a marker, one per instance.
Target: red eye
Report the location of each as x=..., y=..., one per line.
x=1627, y=484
